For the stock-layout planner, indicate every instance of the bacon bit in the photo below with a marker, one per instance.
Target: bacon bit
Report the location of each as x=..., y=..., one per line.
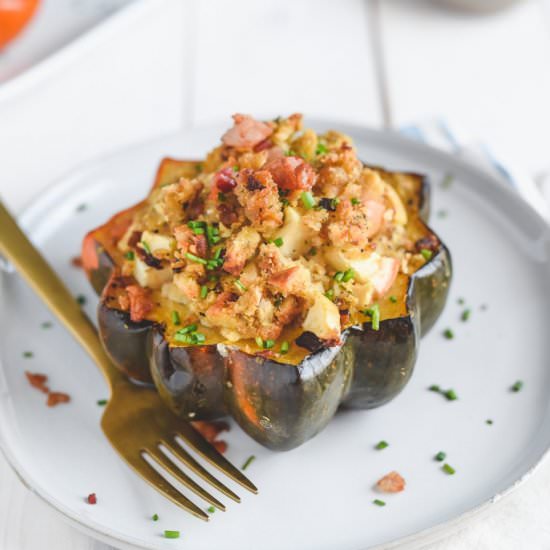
x=76, y=261
x=140, y=302
x=56, y=397
x=263, y=145
x=292, y=173
x=91, y=498
x=37, y=381
x=210, y=431
x=224, y=180
x=391, y=483
x=228, y=215
x=134, y=239
x=246, y=132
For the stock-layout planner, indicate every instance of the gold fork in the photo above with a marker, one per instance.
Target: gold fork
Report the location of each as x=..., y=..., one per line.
x=135, y=421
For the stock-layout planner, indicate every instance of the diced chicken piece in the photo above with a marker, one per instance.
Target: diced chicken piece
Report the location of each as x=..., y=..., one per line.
x=292, y=173
x=259, y=197
x=150, y=277
x=246, y=132
x=391, y=483
x=293, y=280
x=240, y=249
x=140, y=302
x=323, y=319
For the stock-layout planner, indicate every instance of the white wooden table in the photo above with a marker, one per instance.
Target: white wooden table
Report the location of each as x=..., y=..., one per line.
x=372, y=62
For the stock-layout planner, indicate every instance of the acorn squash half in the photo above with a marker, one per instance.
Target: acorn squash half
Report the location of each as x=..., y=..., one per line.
x=280, y=402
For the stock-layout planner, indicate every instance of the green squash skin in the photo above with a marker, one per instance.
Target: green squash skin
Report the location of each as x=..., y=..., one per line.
x=384, y=359
x=279, y=405
x=189, y=379
x=128, y=344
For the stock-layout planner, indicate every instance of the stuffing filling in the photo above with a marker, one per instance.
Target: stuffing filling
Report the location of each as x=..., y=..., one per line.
x=282, y=231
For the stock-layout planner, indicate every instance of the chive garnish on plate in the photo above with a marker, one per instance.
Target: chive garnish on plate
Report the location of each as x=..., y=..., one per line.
x=448, y=469
x=171, y=534
x=378, y=502
x=448, y=333
x=176, y=318
x=440, y=456
x=307, y=199
x=248, y=462
x=381, y=445
x=517, y=386
x=155, y=517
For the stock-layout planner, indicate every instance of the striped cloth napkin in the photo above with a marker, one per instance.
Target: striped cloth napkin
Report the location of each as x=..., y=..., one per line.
x=438, y=133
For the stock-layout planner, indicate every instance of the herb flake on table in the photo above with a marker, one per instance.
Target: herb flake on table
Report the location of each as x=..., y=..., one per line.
x=447, y=181
x=46, y=325
x=517, y=386
x=28, y=354
x=171, y=534
x=381, y=445
x=489, y=422
x=440, y=456
x=248, y=462
x=448, y=334
x=379, y=502
x=465, y=316
x=448, y=469
x=155, y=517
x=102, y=402
x=211, y=509
x=81, y=207
x=81, y=299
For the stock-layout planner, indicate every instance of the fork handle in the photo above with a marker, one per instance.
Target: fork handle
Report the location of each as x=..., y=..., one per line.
x=30, y=264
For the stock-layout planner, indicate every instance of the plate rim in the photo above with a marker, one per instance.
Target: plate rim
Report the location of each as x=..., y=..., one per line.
x=26, y=217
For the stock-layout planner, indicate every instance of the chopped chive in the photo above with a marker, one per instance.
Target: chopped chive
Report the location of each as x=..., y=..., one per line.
x=349, y=274
x=312, y=251
x=517, y=386
x=338, y=276
x=374, y=313
x=211, y=509
x=187, y=329
x=461, y=301
x=259, y=342
x=489, y=421
x=355, y=201
x=28, y=354
x=466, y=314
x=426, y=254
x=393, y=299
x=198, y=230
x=440, y=456
x=81, y=299
x=194, y=258
x=196, y=223
x=434, y=387
x=448, y=469
x=381, y=445
x=321, y=149
x=248, y=462
x=329, y=293
x=155, y=517
x=378, y=502
x=176, y=318
x=268, y=344
x=81, y=207
x=129, y=255
x=47, y=324
x=197, y=337
x=146, y=247
x=235, y=168
x=278, y=241
x=172, y=534
x=285, y=202
x=448, y=333
x=102, y=402
x=450, y=395
x=239, y=285
x=218, y=253
x=284, y=347
x=307, y=200
x=204, y=291
x=447, y=181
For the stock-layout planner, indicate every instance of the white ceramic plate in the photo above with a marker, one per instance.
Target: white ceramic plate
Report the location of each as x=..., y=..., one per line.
x=320, y=495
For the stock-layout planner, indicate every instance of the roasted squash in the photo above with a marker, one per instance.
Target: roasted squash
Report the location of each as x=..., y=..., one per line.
x=279, y=400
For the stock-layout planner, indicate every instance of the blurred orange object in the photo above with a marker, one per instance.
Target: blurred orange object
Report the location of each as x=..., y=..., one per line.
x=14, y=15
